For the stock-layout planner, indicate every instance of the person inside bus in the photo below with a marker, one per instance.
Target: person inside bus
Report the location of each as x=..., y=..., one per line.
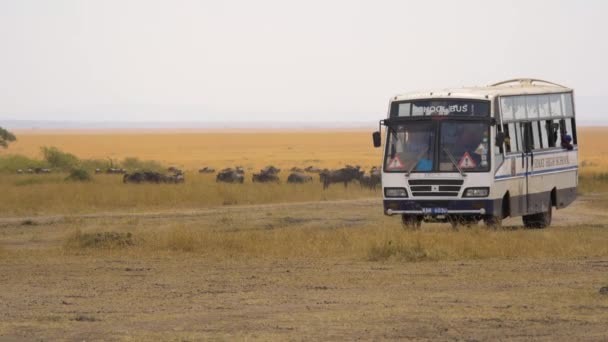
x=567, y=142
x=425, y=163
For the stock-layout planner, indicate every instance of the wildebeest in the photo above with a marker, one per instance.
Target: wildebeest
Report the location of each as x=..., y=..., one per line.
x=230, y=175
x=373, y=180
x=207, y=169
x=176, y=178
x=29, y=170
x=298, y=177
x=143, y=177
x=41, y=170
x=270, y=170
x=266, y=177
x=296, y=169
x=344, y=175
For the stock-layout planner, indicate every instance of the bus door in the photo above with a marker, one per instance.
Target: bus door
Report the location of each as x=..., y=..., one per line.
x=527, y=162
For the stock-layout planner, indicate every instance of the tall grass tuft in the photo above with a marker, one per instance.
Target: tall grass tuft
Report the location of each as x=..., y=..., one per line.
x=79, y=175
x=400, y=251
x=102, y=240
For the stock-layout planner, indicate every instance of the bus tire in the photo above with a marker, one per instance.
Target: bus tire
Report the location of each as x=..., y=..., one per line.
x=411, y=222
x=540, y=220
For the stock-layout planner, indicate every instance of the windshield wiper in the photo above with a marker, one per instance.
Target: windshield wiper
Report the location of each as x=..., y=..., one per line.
x=454, y=161
x=417, y=160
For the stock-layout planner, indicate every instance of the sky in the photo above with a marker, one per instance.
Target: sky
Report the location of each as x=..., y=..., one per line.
x=298, y=61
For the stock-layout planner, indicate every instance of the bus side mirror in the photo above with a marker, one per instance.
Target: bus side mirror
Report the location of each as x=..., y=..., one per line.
x=377, y=139
x=500, y=138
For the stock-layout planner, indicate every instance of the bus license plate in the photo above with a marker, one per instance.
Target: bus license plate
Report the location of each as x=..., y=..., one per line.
x=435, y=211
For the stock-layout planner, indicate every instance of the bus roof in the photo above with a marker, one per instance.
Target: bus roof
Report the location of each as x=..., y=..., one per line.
x=518, y=86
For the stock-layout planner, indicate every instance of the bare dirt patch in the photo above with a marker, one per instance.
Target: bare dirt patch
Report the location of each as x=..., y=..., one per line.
x=220, y=273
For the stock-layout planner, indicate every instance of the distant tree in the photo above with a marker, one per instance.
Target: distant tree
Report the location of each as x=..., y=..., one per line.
x=6, y=137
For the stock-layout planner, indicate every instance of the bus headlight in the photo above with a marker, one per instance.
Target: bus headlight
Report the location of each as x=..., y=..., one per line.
x=476, y=192
x=395, y=192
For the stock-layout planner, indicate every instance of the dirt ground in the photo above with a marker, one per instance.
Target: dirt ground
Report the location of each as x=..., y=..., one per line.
x=188, y=297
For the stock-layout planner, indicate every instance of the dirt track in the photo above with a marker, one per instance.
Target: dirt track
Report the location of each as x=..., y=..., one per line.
x=112, y=296
x=578, y=212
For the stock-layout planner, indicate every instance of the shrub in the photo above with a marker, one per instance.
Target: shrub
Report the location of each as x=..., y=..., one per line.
x=79, y=175
x=59, y=159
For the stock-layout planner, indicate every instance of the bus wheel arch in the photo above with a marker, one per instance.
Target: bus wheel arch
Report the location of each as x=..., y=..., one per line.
x=553, y=198
x=506, y=205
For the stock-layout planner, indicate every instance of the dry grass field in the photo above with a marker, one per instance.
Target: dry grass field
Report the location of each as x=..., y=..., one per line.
x=192, y=150
x=205, y=261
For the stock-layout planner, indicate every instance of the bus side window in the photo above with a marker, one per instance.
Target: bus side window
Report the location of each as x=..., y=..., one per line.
x=528, y=140
x=536, y=135
x=570, y=130
x=516, y=137
x=507, y=144
x=544, y=133
x=552, y=132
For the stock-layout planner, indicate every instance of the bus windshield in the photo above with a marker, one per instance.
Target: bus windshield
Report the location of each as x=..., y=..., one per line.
x=461, y=145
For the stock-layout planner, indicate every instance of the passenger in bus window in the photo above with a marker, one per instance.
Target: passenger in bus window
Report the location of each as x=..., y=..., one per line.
x=507, y=143
x=425, y=163
x=567, y=142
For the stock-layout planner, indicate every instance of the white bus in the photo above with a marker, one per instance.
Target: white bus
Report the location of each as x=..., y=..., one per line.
x=481, y=153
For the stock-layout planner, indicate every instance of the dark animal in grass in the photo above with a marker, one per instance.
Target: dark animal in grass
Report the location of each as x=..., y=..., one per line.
x=371, y=181
x=296, y=169
x=207, y=169
x=344, y=175
x=270, y=170
x=267, y=177
x=298, y=177
x=144, y=177
x=230, y=176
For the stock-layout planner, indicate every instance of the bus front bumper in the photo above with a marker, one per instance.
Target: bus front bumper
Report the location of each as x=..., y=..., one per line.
x=461, y=207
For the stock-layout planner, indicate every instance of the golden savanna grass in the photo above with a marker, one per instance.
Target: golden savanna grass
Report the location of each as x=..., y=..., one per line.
x=190, y=150
x=374, y=243
x=204, y=261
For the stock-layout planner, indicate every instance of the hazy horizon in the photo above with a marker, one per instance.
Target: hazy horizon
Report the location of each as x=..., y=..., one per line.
x=272, y=61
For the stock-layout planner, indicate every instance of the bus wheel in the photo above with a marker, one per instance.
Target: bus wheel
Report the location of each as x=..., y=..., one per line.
x=540, y=220
x=411, y=221
x=493, y=222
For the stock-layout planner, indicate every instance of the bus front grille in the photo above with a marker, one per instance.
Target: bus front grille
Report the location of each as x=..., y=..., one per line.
x=435, y=187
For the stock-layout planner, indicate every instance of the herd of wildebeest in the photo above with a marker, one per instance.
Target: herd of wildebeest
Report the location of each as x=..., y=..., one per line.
x=269, y=174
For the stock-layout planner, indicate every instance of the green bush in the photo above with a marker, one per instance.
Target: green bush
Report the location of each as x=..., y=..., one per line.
x=79, y=175
x=58, y=159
